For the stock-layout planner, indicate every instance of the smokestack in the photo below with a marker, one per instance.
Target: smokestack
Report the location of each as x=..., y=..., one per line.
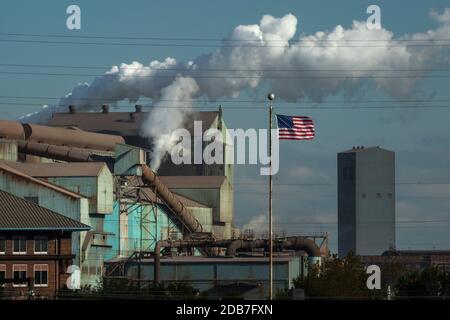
x=105, y=108
x=219, y=122
x=72, y=109
x=138, y=108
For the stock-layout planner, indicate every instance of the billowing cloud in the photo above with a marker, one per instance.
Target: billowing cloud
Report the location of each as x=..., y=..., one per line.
x=316, y=66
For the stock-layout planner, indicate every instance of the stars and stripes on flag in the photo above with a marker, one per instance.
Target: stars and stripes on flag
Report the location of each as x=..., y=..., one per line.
x=295, y=127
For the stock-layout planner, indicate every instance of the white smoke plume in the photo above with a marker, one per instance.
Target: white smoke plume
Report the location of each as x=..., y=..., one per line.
x=340, y=61
x=161, y=124
x=258, y=225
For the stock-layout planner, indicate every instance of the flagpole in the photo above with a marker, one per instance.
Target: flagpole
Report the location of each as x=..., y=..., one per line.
x=271, y=96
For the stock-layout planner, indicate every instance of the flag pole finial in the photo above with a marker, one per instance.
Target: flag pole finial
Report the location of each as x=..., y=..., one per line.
x=271, y=96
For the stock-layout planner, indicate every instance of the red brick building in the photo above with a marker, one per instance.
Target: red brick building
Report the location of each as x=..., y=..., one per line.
x=35, y=248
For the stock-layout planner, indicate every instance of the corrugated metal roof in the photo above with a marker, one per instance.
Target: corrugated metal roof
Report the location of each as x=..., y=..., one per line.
x=73, y=169
x=17, y=173
x=121, y=122
x=193, y=182
x=19, y=214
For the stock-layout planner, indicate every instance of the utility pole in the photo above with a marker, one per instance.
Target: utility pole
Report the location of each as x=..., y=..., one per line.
x=271, y=97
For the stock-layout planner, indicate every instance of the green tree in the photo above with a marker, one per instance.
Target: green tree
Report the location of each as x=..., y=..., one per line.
x=431, y=283
x=336, y=278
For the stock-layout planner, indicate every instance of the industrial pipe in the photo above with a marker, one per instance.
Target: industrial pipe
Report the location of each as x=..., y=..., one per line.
x=181, y=244
x=186, y=218
x=59, y=153
x=294, y=243
x=11, y=130
x=302, y=243
x=58, y=136
x=236, y=245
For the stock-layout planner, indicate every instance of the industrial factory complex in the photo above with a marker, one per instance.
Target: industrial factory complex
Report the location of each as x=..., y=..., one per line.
x=79, y=194
x=122, y=220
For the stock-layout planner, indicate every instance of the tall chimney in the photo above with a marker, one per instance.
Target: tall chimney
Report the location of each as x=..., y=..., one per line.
x=105, y=108
x=72, y=109
x=219, y=121
x=138, y=108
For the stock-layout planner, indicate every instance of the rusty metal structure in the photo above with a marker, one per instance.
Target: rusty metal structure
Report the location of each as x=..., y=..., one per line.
x=186, y=218
x=80, y=146
x=58, y=136
x=232, y=246
x=61, y=153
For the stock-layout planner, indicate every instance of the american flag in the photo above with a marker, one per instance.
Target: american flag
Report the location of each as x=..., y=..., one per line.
x=295, y=128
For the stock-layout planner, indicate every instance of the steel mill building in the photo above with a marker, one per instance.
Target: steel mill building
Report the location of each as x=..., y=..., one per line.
x=173, y=225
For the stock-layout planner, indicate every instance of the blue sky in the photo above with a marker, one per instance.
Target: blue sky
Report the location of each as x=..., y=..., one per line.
x=420, y=138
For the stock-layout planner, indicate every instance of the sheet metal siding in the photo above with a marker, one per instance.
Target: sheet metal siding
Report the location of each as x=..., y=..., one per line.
x=105, y=191
x=226, y=208
x=8, y=150
x=207, y=197
x=99, y=190
x=48, y=198
x=204, y=216
x=220, y=200
x=131, y=234
x=204, y=276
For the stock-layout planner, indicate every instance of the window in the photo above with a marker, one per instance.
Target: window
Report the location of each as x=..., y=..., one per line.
x=2, y=245
x=32, y=199
x=40, y=245
x=378, y=195
x=20, y=246
x=2, y=274
x=19, y=275
x=363, y=195
x=389, y=195
x=41, y=275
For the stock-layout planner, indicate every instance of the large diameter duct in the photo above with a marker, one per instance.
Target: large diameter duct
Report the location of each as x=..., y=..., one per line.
x=301, y=243
x=58, y=136
x=58, y=152
x=290, y=243
x=186, y=218
x=11, y=130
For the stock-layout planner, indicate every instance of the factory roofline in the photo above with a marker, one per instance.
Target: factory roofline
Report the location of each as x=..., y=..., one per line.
x=123, y=123
x=8, y=169
x=20, y=214
x=362, y=148
x=45, y=170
